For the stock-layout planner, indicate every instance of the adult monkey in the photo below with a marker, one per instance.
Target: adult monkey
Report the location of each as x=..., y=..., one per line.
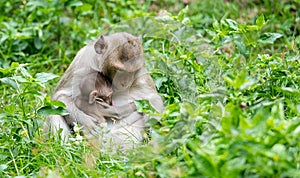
x=119, y=57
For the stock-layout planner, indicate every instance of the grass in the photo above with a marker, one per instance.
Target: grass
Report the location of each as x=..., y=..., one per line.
x=228, y=72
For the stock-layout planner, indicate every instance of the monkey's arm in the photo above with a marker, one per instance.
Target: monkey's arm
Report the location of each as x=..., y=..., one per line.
x=56, y=122
x=78, y=116
x=119, y=111
x=143, y=88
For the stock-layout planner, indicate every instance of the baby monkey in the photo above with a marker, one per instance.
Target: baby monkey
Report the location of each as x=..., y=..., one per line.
x=96, y=94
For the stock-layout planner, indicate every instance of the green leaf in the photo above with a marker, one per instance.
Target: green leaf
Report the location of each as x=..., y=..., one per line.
x=44, y=77
x=181, y=14
x=37, y=43
x=278, y=111
x=3, y=37
x=159, y=81
x=86, y=7
x=269, y=38
x=25, y=73
x=260, y=21
x=10, y=109
x=290, y=90
x=5, y=71
x=36, y=3
x=3, y=167
x=10, y=82
x=14, y=65
x=49, y=110
x=187, y=109
x=232, y=24
x=232, y=118
x=241, y=81
x=57, y=103
x=75, y=4
x=259, y=121
x=144, y=106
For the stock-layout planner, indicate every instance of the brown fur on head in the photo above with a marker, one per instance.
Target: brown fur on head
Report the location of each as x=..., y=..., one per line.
x=96, y=87
x=104, y=89
x=121, y=51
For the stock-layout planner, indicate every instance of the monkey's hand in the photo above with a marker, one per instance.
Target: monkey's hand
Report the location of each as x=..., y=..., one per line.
x=84, y=120
x=118, y=112
x=107, y=110
x=102, y=103
x=78, y=116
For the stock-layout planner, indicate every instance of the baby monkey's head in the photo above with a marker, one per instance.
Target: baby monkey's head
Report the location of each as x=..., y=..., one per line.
x=96, y=88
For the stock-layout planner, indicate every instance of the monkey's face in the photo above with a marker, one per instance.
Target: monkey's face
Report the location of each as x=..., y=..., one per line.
x=121, y=52
x=130, y=55
x=131, y=50
x=105, y=97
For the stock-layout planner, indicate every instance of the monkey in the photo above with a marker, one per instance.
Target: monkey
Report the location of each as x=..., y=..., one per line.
x=119, y=57
x=95, y=88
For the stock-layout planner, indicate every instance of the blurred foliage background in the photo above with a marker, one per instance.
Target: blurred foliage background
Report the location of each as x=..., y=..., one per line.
x=228, y=72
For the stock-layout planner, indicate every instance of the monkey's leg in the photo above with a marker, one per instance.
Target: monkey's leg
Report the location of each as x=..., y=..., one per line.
x=54, y=123
x=76, y=115
x=144, y=88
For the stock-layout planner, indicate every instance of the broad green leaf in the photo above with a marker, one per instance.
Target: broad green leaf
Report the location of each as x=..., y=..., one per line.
x=278, y=111
x=19, y=79
x=44, y=77
x=290, y=90
x=181, y=14
x=232, y=24
x=3, y=167
x=48, y=110
x=144, y=106
x=5, y=71
x=24, y=35
x=232, y=118
x=3, y=37
x=9, y=81
x=57, y=103
x=86, y=7
x=75, y=4
x=203, y=162
x=38, y=43
x=260, y=21
x=10, y=109
x=187, y=109
x=14, y=64
x=36, y=3
x=25, y=73
x=248, y=83
x=259, y=118
x=159, y=80
x=269, y=38
x=234, y=167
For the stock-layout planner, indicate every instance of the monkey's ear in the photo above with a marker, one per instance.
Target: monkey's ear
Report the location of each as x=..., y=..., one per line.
x=93, y=96
x=101, y=45
x=140, y=37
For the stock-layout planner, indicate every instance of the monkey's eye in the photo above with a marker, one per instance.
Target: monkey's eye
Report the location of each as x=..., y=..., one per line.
x=133, y=43
x=99, y=100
